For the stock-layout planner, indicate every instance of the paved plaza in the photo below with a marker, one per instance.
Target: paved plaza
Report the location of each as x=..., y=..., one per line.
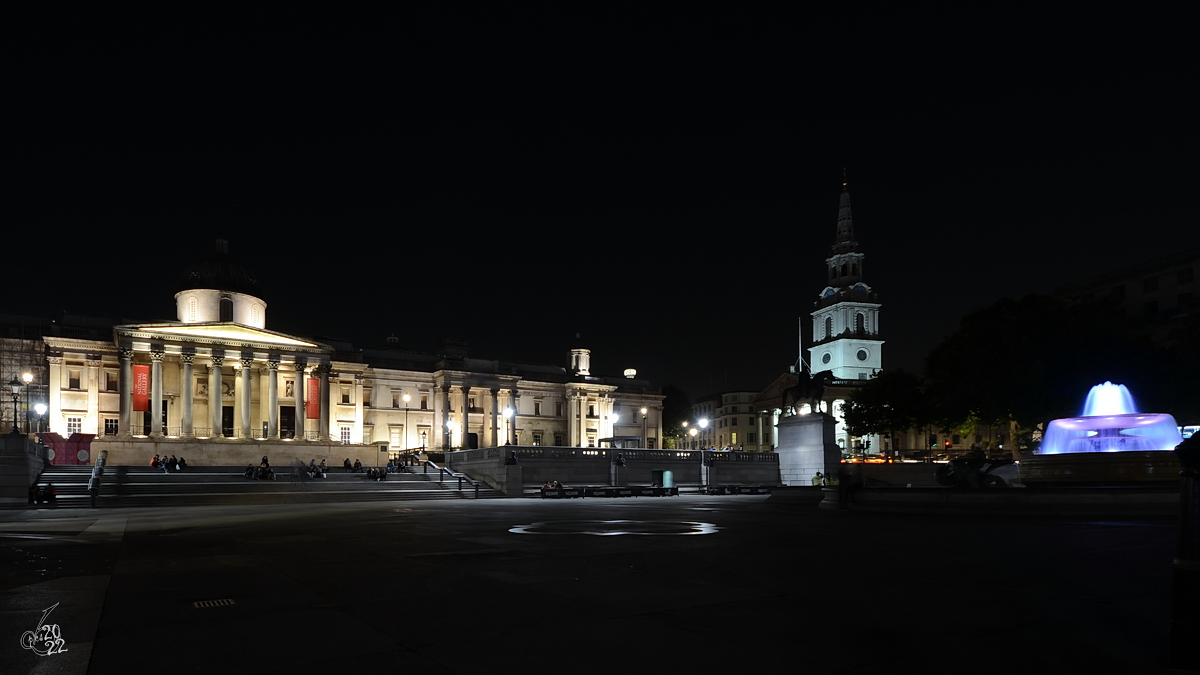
x=585, y=586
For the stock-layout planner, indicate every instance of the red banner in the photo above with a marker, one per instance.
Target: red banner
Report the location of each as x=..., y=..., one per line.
x=312, y=400
x=141, y=388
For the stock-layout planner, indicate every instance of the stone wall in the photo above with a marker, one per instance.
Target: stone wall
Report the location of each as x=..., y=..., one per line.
x=138, y=451
x=593, y=466
x=21, y=462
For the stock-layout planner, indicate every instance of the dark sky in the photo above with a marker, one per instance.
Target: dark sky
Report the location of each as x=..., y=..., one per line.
x=664, y=183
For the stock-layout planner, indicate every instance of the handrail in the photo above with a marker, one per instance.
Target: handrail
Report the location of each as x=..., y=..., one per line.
x=453, y=474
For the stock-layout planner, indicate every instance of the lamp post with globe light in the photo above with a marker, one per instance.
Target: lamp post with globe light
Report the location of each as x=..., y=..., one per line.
x=15, y=386
x=643, y=427
x=40, y=409
x=27, y=377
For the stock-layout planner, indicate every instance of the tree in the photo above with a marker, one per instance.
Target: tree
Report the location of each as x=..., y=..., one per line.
x=892, y=402
x=677, y=409
x=1033, y=360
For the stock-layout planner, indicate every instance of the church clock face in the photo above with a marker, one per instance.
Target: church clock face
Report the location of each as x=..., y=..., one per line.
x=862, y=355
x=825, y=357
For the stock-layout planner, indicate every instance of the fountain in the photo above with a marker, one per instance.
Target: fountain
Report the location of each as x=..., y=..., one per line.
x=1110, y=444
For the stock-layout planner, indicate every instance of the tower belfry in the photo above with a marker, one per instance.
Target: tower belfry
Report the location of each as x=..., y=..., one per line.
x=846, y=314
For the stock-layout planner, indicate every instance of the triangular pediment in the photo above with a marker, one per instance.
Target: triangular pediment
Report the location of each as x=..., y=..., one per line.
x=773, y=394
x=216, y=333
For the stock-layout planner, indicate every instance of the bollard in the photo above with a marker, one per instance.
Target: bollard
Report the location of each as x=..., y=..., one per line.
x=1185, y=586
x=426, y=469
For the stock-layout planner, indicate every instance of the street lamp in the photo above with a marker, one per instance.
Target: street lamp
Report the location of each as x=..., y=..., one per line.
x=703, y=426
x=27, y=377
x=450, y=426
x=15, y=386
x=692, y=432
x=508, y=421
x=40, y=409
x=404, y=444
x=643, y=427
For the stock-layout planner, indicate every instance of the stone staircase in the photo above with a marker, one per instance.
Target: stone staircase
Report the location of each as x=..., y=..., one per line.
x=138, y=486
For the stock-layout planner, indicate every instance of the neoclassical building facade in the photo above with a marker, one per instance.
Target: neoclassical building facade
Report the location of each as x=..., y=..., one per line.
x=222, y=383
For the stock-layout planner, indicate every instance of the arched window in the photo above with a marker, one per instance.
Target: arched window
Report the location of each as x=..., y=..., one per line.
x=226, y=308
x=254, y=321
x=860, y=324
x=843, y=269
x=828, y=326
x=193, y=309
x=853, y=269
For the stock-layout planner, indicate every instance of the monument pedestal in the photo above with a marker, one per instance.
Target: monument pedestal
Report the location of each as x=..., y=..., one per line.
x=806, y=446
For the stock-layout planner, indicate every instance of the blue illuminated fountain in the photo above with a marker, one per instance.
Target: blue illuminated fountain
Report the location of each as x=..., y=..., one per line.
x=1110, y=423
x=1110, y=444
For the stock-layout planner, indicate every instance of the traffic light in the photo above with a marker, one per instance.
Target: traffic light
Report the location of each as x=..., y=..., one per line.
x=947, y=445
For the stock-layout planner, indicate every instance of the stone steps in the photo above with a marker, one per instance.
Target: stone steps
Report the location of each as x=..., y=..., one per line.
x=196, y=486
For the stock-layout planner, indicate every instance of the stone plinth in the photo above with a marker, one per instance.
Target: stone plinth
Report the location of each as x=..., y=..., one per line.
x=806, y=446
x=21, y=462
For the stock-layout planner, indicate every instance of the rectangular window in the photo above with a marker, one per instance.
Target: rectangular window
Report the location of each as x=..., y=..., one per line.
x=72, y=379
x=1149, y=284
x=734, y=421
x=749, y=438
x=424, y=402
x=111, y=424
x=537, y=438
x=558, y=440
x=345, y=435
x=366, y=398
x=110, y=381
x=558, y=412
x=368, y=432
x=537, y=410
x=74, y=425
x=345, y=394
x=395, y=400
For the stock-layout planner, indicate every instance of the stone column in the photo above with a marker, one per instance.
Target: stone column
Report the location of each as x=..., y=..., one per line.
x=125, y=384
x=54, y=391
x=658, y=426
x=244, y=395
x=91, y=422
x=185, y=387
x=273, y=400
x=214, y=395
x=323, y=408
x=572, y=424
x=156, y=394
x=300, y=392
x=516, y=406
x=441, y=403
x=466, y=417
x=495, y=437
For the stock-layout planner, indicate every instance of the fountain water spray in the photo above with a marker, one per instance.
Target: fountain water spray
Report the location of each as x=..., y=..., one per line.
x=1110, y=423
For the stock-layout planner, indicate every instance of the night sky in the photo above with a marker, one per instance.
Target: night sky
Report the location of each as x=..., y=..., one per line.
x=664, y=183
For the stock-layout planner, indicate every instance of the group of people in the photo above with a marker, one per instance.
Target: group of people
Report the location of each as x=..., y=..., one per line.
x=43, y=495
x=315, y=470
x=170, y=464
x=376, y=474
x=261, y=472
x=353, y=468
x=553, y=485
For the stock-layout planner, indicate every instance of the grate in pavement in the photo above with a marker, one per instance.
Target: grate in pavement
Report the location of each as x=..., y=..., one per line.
x=212, y=603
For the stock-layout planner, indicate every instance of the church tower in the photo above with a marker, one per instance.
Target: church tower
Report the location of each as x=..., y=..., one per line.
x=846, y=315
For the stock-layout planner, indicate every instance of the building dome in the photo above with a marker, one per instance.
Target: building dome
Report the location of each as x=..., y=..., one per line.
x=219, y=289
x=220, y=272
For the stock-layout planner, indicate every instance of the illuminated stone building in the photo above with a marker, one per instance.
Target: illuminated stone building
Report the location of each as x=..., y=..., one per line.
x=219, y=387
